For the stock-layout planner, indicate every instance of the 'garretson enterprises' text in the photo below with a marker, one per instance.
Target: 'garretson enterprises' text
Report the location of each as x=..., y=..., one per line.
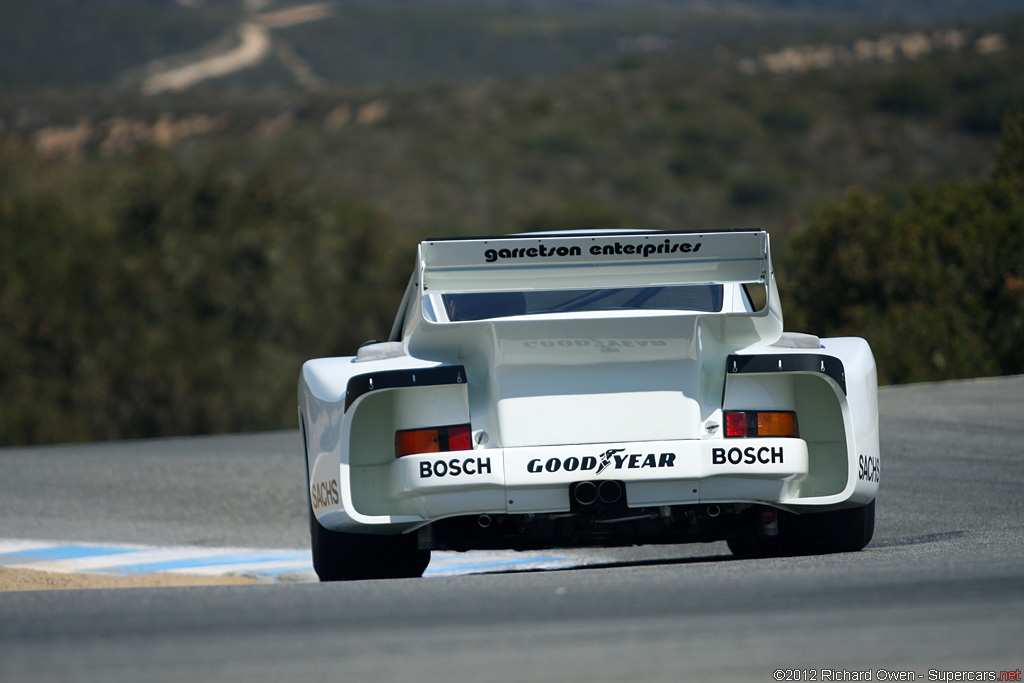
x=541, y=251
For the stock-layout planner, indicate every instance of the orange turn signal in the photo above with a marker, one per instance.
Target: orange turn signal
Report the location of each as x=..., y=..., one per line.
x=761, y=423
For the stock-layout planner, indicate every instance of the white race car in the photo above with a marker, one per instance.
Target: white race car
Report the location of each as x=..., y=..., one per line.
x=573, y=389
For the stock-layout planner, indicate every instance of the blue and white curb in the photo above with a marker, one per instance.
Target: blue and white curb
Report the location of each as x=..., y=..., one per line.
x=262, y=563
x=480, y=562
x=128, y=560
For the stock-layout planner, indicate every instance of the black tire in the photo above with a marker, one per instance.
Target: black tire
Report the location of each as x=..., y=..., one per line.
x=347, y=557
x=837, y=531
x=819, y=533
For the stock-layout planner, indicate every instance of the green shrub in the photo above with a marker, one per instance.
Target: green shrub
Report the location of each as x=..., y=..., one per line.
x=787, y=118
x=757, y=191
x=937, y=287
x=696, y=164
x=908, y=95
x=166, y=301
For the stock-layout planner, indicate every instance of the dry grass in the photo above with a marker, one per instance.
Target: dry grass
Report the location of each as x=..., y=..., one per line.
x=33, y=580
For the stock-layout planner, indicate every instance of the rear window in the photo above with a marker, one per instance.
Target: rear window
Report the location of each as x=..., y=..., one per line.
x=483, y=305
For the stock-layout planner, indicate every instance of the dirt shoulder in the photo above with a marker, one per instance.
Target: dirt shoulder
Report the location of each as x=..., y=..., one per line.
x=32, y=580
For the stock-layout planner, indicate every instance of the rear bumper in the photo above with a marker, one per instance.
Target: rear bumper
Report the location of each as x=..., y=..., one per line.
x=537, y=479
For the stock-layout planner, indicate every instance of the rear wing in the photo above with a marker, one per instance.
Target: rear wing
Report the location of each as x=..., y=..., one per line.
x=594, y=260
x=583, y=261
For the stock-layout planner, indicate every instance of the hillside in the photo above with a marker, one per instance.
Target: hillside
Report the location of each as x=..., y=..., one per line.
x=170, y=255
x=120, y=43
x=674, y=137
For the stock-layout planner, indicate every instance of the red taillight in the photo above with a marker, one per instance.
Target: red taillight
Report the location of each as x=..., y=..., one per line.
x=735, y=424
x=432, y=440
x=459, y=439
x=761, y=423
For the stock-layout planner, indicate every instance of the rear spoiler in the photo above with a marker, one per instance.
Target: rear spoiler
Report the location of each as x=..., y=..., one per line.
x=594, y=260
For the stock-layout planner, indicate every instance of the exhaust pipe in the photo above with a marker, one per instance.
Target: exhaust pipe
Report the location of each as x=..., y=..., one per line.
x=769, y=521
x=585, y=493
x=713, y=511
x=483, y=521
x=609, y=491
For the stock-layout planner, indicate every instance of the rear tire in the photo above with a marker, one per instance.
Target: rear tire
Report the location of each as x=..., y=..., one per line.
x=818, y=533
x=339, y=556
x=837, y=531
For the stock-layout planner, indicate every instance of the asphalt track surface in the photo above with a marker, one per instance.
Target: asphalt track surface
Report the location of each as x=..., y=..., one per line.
x=939, y=592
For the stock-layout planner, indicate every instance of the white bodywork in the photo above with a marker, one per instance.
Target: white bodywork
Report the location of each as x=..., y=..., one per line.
x=552, y=396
